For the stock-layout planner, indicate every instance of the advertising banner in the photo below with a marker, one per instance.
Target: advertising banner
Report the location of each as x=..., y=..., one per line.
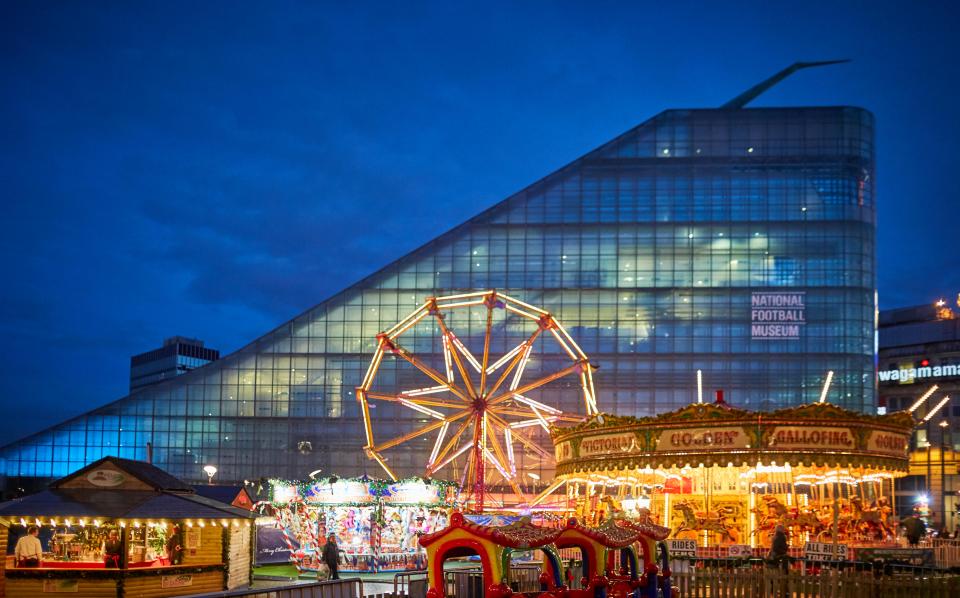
x=271, y=546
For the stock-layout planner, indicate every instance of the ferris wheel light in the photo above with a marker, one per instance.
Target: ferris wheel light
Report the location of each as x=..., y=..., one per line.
x=498, y=363
x=535, y=404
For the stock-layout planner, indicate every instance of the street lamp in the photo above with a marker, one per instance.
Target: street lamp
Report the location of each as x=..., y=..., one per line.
x=211, y=471
x=943, y=477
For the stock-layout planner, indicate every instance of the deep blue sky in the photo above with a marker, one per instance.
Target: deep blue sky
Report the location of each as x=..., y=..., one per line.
x=214, y=169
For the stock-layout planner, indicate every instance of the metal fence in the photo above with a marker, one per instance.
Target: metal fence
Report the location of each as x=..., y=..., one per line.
x=826, y=583
x=339, y=588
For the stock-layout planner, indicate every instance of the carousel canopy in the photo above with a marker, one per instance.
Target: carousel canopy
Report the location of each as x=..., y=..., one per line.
x=815, y=436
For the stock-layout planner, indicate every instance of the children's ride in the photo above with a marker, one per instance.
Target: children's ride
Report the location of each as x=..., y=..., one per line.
x=610, y=556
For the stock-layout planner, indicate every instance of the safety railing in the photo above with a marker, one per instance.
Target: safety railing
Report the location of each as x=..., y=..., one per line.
x=337, y=588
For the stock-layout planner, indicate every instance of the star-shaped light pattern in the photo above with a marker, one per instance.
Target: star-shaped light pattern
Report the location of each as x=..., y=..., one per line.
x=478, y=404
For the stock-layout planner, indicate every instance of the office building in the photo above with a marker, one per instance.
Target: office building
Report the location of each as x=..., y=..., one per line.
x=177, y=356
x=919, y=367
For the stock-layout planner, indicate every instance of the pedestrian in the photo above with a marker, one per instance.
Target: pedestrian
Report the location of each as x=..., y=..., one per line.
x=779, y=548
x=28, y=550
x=175, y=546
x=915, y=529
x=331, y=556
x=112, y=550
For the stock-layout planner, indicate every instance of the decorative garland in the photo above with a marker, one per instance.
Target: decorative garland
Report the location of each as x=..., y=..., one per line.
x=378, y=490
x=118, y=574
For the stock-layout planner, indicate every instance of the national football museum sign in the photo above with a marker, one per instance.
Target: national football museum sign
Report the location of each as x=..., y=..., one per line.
x=777, y=316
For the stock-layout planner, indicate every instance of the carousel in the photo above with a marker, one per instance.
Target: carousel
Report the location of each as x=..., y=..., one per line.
x=726, y=476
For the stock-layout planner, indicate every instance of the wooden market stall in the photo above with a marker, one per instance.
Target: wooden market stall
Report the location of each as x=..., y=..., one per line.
x=125, y=528
x=722, y=475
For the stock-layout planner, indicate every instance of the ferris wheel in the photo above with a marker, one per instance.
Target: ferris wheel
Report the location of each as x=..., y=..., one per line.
x=478, y=392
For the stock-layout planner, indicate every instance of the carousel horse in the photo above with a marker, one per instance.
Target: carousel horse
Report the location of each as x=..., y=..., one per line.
x=871, y=521
x=695, y=522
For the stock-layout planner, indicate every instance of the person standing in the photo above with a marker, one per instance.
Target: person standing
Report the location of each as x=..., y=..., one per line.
x=175, y=546
x=28, y=550
x=916, y=529
x=113, y=550
x=331, y=556
x=779, y=547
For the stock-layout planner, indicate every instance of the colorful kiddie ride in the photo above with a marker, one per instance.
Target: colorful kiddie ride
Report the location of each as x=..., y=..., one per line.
x=609, y=554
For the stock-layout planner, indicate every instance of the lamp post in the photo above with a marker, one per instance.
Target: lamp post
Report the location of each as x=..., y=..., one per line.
x=943, y=477
x=211, y=471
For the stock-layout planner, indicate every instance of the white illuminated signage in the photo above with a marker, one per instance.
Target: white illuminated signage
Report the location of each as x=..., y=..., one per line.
x=910, y=374
x=777, y=316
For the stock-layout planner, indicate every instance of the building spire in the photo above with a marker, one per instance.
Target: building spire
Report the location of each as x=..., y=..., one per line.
x=751, y=94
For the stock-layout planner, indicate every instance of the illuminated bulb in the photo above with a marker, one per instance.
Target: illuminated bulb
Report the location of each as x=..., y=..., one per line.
x=201, y=523
x=23, y=522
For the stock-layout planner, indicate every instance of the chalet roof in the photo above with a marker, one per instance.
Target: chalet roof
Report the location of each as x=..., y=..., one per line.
x=147, y=473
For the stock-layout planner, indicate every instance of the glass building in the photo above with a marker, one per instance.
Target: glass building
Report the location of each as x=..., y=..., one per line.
x=739, y=242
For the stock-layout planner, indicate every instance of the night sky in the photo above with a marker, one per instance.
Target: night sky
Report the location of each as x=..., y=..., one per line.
x=213, y=170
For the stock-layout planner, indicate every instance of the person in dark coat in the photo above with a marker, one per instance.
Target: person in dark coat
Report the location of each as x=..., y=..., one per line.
x=113, y=550
x=779, y=547
x=915, y=529
x=175, y=546
x=331, y=556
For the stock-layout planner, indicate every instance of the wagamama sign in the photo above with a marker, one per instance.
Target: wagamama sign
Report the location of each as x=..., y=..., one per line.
x=911, y=374
x=776, y=316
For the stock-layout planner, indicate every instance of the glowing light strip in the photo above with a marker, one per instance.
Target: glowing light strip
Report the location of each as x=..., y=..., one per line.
x=374, y=364
x=520, y=312
x=497, y=364
x=570, y=340
x=447, y=360
x=543, y=422
x=922, y=398
x=493, y=460
x=462, y=296
x=933, y=412
x=526, y=423
x=521, y=303
x=559, y=338
x=540, y=497
x=459, y=452
x=456, y=343
x=826, y=386
x=421, y=409
x=519, y=373
x=536, y=404
x=461, y=304
x=379, y=460
x=508, y=440
x=699, y=386
x=592, y=396
x=436, y=445
x=424, y=391
x=390, y=333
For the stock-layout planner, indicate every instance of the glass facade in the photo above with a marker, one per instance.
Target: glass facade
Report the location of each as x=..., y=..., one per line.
x=736, y=242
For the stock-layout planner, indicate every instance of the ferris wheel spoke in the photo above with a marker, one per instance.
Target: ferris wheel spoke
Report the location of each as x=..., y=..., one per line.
x=410, y=436
x=430, y=372
x=537, y=383
x=446, y=449
x=527, y=442
x=490, y=302
x=522, y=355
x=403, y=398
x=509, y=475
x=464, y=374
